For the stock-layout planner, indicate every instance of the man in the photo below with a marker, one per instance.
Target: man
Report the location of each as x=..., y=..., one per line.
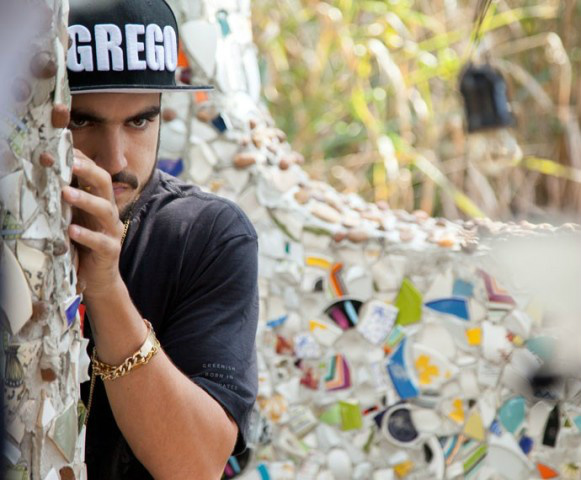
x=153, y=248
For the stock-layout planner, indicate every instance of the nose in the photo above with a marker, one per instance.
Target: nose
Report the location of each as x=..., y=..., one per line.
x=111, y=151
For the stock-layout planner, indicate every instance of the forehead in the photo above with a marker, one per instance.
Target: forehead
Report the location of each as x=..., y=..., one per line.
x=114, y=105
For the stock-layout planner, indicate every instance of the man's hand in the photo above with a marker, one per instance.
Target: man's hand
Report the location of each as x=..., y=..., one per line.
x=96, y=226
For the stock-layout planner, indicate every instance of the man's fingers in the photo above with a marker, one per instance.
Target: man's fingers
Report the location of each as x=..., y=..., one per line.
x=92, y=178
x=103, y=210
x=98, y=242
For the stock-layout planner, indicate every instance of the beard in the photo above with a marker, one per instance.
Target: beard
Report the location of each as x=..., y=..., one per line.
x=126, y=211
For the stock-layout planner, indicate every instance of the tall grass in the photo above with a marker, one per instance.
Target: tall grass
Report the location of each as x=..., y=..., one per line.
x=368, y=91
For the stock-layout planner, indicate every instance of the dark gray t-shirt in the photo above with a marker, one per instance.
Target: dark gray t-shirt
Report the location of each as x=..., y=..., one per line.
x=190, y=264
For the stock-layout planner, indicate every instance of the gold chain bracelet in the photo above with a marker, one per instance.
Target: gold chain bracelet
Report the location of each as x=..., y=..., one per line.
x=145, y=353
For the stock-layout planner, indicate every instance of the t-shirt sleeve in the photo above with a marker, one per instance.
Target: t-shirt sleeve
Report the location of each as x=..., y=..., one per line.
x=210, y=332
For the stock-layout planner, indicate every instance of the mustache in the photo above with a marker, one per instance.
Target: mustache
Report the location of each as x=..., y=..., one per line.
x=125, y=177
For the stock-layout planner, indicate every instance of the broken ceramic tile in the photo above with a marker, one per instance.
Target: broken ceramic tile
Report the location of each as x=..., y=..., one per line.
x=16, y=429
x=504, y=450
x=409, y=303
x=432, y=368
x=34, y=264
x=454, y=410
x=11, y=187
x=456, y=306
x=17, y=304
x=473, y=458
x=437, y=337
x=377, y=320
x=351, y=418
x=498, y=297
x=301, y=420
x=495, y=345
x=11, y=452
x=198, y=33
x=345, y=313
x=71, y=309
x=398, y=427
x=305, y=346
x=173, y=167
x=400, y=374
x=16, y=472
x=52, y=475
x=441, y=286
x=221, y=123
x=28, y=205
x=462, y=288
x=339, y=464
x=552, y=427
x=325, y=332
x=250, y=65
x=47, y=413
x=64, y=432
x=39, y=229
x=526, y=444
x=358, y=282
x=512, y=413
x=546, y=472
x=338, y=376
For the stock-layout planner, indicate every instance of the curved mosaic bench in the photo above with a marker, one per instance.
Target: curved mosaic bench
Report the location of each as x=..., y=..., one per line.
x=387, y=348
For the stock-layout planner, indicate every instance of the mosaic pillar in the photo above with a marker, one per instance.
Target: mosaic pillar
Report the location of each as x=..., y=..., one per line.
x=43, y=354
x=387, y=346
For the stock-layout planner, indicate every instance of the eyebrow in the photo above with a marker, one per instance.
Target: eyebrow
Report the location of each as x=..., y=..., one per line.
x=90, y=116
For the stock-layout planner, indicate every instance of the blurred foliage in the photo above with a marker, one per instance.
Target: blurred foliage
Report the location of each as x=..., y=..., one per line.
x=367, y=90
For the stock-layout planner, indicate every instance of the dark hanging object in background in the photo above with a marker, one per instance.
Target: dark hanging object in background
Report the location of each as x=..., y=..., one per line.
x=484, y=92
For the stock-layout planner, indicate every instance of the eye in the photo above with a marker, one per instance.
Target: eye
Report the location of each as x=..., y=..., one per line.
x=77, y=123
x=139, y=122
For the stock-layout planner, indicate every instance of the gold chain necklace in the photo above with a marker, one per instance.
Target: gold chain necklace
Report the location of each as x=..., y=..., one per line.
x=93, y=376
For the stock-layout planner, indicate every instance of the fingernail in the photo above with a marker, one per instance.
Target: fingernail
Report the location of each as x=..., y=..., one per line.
x=74, y=231
x=76, y=163
x=72, y=193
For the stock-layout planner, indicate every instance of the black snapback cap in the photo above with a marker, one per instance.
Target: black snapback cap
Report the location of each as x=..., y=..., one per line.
x=126, y=46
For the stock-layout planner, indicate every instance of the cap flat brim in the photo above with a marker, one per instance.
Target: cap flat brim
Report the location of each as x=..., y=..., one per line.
x=141, y=89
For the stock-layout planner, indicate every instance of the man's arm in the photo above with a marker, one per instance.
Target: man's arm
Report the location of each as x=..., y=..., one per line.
x=173, y=426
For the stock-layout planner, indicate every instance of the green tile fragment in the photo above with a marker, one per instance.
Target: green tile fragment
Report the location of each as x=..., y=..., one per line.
x=16, y=472
x=475, y=457
x=331, y=416
x=409, y=303
x=351, y=418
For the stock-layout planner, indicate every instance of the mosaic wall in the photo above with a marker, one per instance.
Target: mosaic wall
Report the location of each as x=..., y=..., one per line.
x=387, y=346
x=43, y=355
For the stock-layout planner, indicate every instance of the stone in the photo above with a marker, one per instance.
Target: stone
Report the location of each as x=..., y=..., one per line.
x=61, y=116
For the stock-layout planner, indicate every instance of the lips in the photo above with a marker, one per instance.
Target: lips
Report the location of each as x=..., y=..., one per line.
x=119, y=188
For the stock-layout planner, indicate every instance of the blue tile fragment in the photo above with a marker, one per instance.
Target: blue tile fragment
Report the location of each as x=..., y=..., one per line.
x=496, y=428
x=222, y=17
x=526, y=444
x=351, y=312
x=71, y=310
x=462, y=288
x=456, y=306
x=398, y=371
x=577, y=422
x=277, y=322
x=234, y=464
x=263, y=471
x=512, y=413
x=172, y=167
x=219, y=123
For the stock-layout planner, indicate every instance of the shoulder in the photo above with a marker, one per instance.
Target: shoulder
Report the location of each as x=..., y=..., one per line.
x=183, y=213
